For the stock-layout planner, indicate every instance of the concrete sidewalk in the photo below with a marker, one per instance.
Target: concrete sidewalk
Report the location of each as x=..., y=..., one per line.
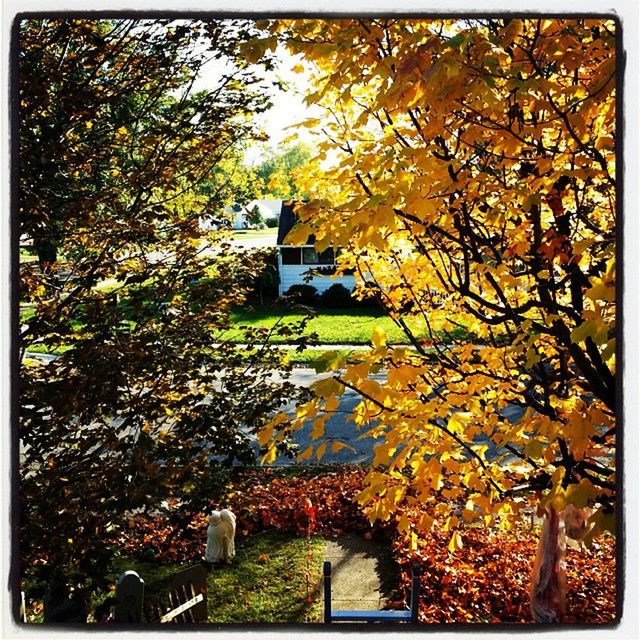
x=362, y=573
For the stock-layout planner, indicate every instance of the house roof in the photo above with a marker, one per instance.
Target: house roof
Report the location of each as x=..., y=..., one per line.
x=275, y=206
x=267, y=208
x=287, y=220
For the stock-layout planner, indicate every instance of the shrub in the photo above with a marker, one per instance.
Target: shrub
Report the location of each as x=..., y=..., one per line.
x=271, y=223
x=370, y=299
x=303, y=294
x=263, y=287
x=337, y=296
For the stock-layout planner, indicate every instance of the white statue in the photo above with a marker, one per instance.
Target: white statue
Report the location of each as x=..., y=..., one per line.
x=577, y=525
x=220, y=537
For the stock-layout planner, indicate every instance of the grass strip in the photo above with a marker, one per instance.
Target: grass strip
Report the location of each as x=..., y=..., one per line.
x=333, y=326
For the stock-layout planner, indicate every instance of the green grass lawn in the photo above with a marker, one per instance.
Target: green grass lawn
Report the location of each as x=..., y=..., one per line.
x=333, y=326
x=26, y=256
x=266, y=582
x=26, y=313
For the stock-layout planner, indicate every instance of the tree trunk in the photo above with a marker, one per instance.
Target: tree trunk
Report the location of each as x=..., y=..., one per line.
x=548, y=585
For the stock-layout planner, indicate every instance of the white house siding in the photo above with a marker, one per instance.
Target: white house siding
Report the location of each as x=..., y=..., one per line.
x=291, y=274
x=240, y=220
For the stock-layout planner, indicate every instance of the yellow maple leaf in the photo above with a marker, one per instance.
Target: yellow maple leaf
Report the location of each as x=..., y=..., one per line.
x=379, y=337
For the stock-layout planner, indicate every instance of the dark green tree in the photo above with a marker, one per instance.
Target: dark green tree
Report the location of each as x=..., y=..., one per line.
x=130, y=292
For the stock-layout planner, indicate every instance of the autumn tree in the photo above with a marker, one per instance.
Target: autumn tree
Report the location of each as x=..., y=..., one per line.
x=131, y=295
x=469, y=174
x=234, y=179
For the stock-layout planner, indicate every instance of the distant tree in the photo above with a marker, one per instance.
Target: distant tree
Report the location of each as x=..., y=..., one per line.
x=133, y=296
x=278, y=171
x=255, y=218
x=231, y=182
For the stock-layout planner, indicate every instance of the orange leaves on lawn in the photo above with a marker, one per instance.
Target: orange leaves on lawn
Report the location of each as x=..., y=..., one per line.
x=487, y=579
x=483, y=577
x=323, y=502
x=261, y=500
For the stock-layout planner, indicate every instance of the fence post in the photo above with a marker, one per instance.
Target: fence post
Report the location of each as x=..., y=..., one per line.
x=187, y=584
x=327, y=591
x=23, y=608
x=129, y=597
x=415, y=591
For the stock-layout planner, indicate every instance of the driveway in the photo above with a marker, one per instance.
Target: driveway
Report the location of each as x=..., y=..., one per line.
x=251, y=241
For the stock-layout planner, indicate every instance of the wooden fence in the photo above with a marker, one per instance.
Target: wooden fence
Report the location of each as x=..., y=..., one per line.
x=186, y=601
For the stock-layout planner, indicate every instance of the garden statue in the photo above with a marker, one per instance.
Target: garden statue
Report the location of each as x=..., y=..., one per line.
x=220, y=537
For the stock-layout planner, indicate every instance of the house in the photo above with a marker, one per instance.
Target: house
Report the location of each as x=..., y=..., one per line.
x=240, y=216
x=302, y=264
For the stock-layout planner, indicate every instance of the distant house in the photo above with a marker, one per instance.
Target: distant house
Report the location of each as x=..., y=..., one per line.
x=241, y=215
x=297, y=263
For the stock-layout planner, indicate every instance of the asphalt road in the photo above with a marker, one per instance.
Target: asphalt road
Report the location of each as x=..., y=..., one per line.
x=339, y=427
x=254, y=242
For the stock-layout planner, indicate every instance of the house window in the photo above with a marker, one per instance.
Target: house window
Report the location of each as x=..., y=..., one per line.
x=311, y=256
x=290, y=255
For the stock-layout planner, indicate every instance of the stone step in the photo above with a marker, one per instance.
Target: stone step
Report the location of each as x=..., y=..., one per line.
x=359, y=570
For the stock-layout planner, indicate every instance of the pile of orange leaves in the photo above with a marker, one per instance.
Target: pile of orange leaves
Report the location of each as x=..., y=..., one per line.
x=486, y=580
x=261, y=500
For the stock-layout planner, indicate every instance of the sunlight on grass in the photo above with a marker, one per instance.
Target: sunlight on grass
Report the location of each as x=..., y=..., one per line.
x=333, y=326
x=26, y=256
x=266, y=582
x=240, y=234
